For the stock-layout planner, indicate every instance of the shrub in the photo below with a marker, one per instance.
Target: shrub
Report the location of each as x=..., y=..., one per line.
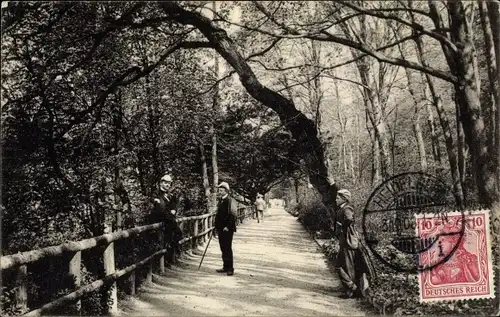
x=314, y=216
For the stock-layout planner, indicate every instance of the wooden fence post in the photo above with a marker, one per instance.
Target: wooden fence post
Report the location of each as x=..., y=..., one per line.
x=22, y=288
x=131, y=280
x=161, y=258
x=195, y=233
x=149, y=275
x=75, y=274
x=109, y=268
x=205, y=228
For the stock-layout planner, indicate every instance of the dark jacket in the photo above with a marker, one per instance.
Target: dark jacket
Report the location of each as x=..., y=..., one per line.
x=348, y=237
x=161, y=213
x=226, y=215
x=161, y=209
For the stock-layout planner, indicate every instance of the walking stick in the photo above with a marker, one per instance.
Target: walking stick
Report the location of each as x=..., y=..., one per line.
x=205, y=250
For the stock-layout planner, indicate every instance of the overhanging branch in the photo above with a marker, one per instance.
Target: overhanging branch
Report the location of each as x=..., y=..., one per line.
x=412, y=24
x=325, y=36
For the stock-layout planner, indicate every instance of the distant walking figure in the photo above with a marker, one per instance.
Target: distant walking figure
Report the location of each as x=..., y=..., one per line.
x=260, y=205
x=225, y=226
x=351, y=265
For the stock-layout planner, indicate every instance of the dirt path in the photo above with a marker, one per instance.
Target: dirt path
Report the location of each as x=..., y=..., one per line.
x=279, y=271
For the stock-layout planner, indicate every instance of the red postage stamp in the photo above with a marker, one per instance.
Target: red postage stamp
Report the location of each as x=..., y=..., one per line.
x=468, y=272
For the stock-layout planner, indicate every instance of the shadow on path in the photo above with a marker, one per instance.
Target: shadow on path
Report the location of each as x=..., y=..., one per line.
x=279, y=271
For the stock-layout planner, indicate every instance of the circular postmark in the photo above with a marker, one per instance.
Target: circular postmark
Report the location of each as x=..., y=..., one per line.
x=407, y=216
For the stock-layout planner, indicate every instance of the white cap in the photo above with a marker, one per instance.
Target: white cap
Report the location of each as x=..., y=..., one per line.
x=344, y=193
x=166, y=177
x=224, y=185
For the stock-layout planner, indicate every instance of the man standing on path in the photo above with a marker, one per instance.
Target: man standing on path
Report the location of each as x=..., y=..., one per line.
x=351, y=265
x=166, y=206
x=260, y=205
x=225, y=227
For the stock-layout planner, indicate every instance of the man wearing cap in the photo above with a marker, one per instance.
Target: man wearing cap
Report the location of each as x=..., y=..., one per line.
x=260, y=205
x=350, y=264
x=225, y=227
x=166, y=206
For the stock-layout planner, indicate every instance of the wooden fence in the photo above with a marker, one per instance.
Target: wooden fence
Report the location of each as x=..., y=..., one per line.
x=196, y=227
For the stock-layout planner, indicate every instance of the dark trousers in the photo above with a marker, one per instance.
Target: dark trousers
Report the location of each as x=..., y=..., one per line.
x=226, y=247
x=261, y=213
x=172, y=236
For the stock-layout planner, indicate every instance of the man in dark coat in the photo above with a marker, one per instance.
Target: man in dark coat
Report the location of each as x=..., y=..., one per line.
x=225, y=227
x=351, y=263
x=166, y=207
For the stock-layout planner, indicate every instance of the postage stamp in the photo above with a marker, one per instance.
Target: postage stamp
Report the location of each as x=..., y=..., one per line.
x=468, y=273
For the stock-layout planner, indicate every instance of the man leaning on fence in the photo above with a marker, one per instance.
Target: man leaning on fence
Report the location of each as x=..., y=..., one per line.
x=225, y=226
x=166, y=207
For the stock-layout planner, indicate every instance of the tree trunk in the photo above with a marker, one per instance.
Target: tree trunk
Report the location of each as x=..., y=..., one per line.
x=358, y=146
x=117, y=123
x=417, y=98
x=445, y=126
x=297, y=194
x=303, y=129
x=204, y=174
x=436, y=149
x=152, y=131
x=381, y=135
x=215, y=167
x=314, y=83
x=342, y=147
x=494, y=15
x=492, y=73
x=462, y=153
x=215, y=170
x=420, y=142
x=374, y=100
x=376, y=176
x=351, y=159
x=377, y=120
x=467, y=94
x=342, y=160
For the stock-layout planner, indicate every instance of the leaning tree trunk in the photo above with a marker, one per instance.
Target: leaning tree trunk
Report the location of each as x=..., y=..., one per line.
x=303, y=129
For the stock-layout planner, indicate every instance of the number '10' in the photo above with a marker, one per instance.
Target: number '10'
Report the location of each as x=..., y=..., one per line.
x=473, y=222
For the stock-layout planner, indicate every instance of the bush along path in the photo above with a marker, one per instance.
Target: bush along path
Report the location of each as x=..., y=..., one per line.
x=279, y=271
x=396, y=293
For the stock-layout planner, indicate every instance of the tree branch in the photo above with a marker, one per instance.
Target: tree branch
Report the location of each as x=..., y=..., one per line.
x=326, y=36
x=412, y=24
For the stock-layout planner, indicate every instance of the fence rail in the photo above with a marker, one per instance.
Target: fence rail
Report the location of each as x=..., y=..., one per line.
x=199, y=228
